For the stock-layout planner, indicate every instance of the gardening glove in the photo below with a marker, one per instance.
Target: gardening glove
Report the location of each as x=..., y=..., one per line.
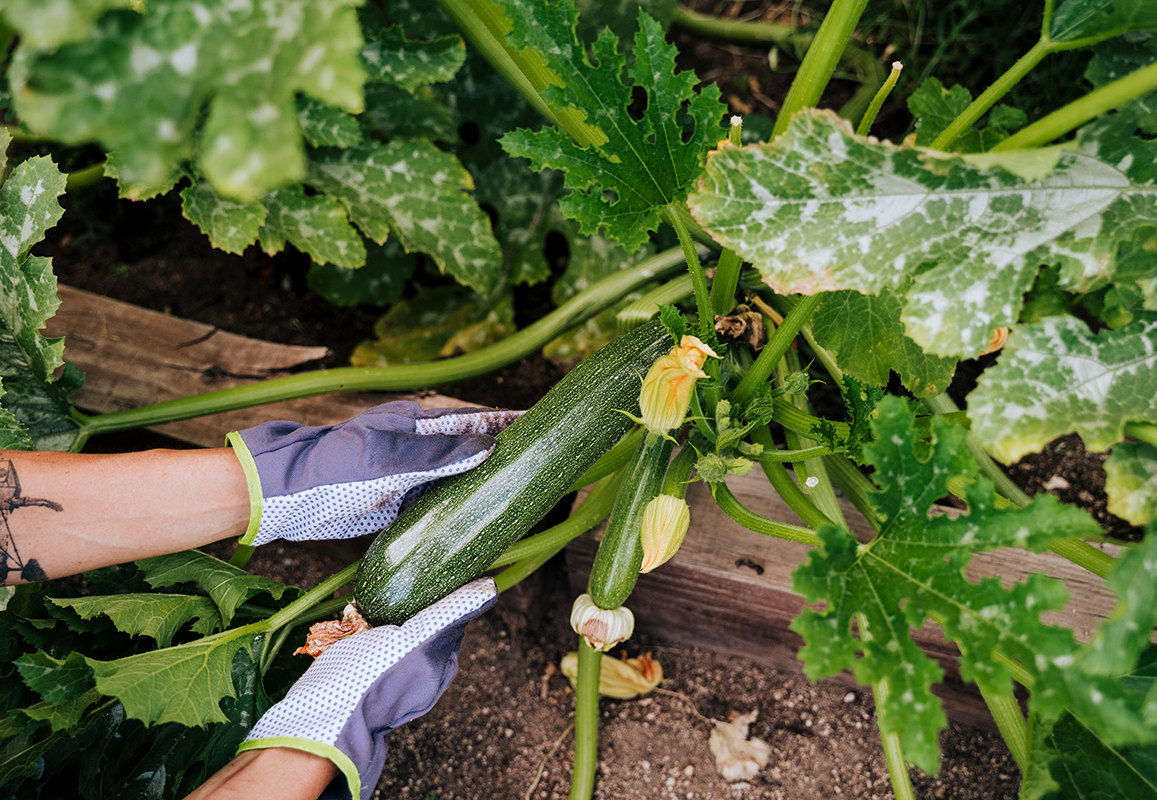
x=352, y=478
x=366, y=685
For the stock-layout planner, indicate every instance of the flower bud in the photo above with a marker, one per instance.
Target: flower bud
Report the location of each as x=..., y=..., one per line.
x=665, y=523
x=621, y=678
x=667, y=387
x=602, y=628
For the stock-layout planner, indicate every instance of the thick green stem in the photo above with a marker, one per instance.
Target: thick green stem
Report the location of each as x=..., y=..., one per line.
x=1142, y=432
x=399, y=378
x=731, y=506
x=820, y=62
x=1087, y=108
x=855, y=486
x=773, y=351
x=730, y=263
x=544, y=545
x=737, y=30
x=640, y=311
x=81, y=178
x=586, y=722
x=810, y=472
x=1011, y=724
x=485, y=27
x=313, y=597
x=698, y=278
x=783, y=485
x=999, y=88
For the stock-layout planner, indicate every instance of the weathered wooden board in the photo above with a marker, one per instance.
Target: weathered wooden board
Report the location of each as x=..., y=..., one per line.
x=729, y=590
x=132, y=357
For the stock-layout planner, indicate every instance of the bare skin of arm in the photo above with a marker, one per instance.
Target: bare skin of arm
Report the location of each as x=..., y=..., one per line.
x=296, y=774
x=64, y=513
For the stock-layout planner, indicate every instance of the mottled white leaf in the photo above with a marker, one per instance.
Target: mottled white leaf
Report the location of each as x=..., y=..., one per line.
x=410, y=63
x=325, y=126
x=230, y=225
x=315, y=224
x=211, y=78
x=1131, y=482
x=820, y=209
x=1057, y=377
x=51, y=23
x=421, y=194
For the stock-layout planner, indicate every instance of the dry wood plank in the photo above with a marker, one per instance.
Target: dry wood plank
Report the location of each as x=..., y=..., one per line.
x=133, y=356
x=728, y=590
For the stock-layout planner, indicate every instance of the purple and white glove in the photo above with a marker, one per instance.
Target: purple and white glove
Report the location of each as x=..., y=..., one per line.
x=362, y=687
x=345, y=480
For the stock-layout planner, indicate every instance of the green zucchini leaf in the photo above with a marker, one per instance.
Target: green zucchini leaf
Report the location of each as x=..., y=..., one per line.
x=1131, y=482
x=620, y=184
x=381, y=282
x=865, y=334
x=420, y=193
x=227, y=585
x=391, y=57
x=230, y=225
x=1056, y=377
x=935, y=107
x=316, y=224
x=184, y=684
x=157, y=615
x=1078, y=20
x=55, y=680
x=913, y=570
x=325, y=126
x=208, y=80
x=820, y=209
x=51, y=23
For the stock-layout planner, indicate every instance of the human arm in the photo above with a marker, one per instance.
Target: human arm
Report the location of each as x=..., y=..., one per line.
x=283, y=773
x=65, y=513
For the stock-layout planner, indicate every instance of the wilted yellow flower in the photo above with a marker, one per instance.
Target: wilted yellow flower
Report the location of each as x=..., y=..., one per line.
x=602, y=628
x=667, y=387
x=995, y=341
x=665, y=523
x=621, y=678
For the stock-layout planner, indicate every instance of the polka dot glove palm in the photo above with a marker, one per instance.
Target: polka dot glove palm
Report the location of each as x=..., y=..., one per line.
x=345, y=480
x=362, y=687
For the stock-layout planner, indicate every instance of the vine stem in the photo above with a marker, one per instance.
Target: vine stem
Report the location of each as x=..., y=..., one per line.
x=1010, y=722
x=988, y=98
x=773, y=351
x=485, y=27
x=586, y=721
x=821, y=59
x=731, y=506
x=729, y=265
x=698, y=278
x=893, y=749
x=1080, y=111
x=578, y=309
x=877, y=103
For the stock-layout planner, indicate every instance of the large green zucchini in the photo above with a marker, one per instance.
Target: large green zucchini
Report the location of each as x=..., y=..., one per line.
x=455, y=531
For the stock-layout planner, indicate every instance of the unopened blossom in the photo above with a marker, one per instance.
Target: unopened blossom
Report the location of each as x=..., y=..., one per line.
x=665, y=522
x=666, y=393
x=621, y=678
x=603, y=628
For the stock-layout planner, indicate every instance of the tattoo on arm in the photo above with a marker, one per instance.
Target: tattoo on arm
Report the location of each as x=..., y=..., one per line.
x=10, y=501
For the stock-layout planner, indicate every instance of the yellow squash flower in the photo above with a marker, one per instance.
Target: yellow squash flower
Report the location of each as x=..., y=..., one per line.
x=666, y=393
x=665, y=523
x=621, y=678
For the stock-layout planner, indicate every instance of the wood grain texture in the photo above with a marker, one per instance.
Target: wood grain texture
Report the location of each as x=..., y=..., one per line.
x=133, y=356
x=728, y=590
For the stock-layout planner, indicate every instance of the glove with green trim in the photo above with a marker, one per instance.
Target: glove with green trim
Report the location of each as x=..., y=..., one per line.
x=352, y=478
x=364, y=686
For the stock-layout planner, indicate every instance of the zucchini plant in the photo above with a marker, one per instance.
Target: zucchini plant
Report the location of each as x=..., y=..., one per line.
x=877, y=267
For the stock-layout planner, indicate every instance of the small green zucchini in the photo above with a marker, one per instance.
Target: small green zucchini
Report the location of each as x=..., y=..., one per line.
x=455, y=531
x=616, y=565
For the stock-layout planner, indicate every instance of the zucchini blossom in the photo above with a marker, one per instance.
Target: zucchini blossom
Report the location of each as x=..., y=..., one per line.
x=667, y=387
x=665, y=522
x=603, y=628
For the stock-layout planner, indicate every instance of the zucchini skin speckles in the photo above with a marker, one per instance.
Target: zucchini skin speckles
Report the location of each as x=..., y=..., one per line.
x=455, y=531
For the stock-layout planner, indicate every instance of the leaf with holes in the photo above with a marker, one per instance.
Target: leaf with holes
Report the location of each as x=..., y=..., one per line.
x=913, y=570
x=621, y=183
x=963, y=236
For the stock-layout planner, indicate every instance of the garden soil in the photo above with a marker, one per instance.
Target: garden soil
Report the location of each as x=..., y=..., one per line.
x=503, y=730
